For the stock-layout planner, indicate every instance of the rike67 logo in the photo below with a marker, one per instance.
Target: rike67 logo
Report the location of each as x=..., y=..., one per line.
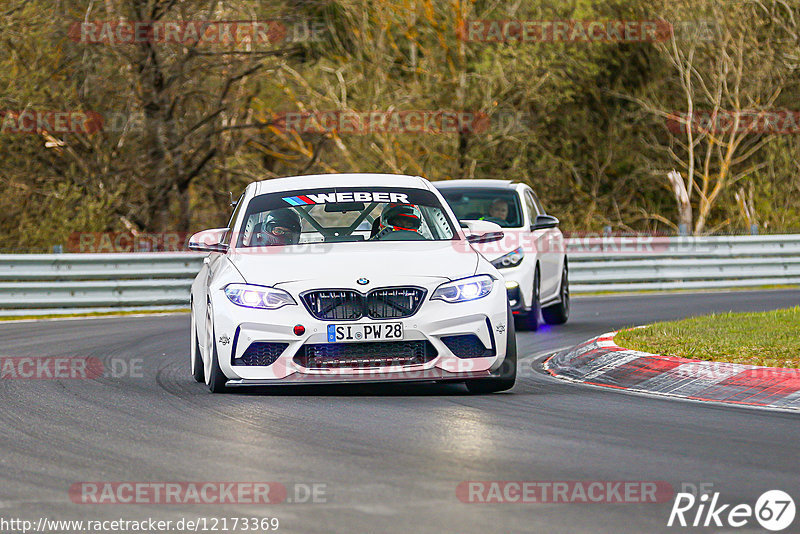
x=774, y=510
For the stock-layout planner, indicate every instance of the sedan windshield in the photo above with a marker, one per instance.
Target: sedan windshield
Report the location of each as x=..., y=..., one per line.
x=344, y=215
x=499, y=206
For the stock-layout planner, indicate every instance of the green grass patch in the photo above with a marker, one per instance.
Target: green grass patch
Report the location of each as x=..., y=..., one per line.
x=769, y=338
x=92, y=314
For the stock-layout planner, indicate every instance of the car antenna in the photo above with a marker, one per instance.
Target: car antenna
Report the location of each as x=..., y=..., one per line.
x=233, y=202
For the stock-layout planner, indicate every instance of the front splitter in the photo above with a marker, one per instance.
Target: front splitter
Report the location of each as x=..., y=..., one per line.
x=426, y=375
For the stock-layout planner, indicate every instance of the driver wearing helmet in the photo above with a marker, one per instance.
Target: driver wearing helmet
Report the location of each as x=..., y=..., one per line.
x=281, y=227
x=399, y=222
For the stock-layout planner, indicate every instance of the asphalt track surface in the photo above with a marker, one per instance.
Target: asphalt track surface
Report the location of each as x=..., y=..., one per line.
x=390, y=456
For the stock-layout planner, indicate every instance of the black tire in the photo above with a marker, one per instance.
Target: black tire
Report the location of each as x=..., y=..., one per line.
x=559, y=313
x=217, y=379
x=506, y=375
x=530, y=320
x=198, y=372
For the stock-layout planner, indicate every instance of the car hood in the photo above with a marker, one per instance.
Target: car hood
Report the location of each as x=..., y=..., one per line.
x=340, y=265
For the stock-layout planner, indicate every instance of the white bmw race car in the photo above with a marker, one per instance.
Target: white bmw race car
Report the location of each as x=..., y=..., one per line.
x=349, y=278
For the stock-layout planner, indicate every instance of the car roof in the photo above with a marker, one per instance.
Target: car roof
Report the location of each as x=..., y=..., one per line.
x=483, y=184
x=316, y=181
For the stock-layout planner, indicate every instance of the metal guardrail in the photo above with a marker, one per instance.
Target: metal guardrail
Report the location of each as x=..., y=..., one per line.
x=55, y=284
x=615, y=264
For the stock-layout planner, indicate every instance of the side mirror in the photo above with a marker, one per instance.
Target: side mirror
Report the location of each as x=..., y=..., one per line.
x=208, y=241
x=544, y=221
x=482, y=231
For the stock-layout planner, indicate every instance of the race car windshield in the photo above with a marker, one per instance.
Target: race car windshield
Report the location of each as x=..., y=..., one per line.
x=355, y=214
x=499, y=206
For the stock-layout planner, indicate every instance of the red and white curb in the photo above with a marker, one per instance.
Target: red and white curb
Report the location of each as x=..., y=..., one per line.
x=601, y=362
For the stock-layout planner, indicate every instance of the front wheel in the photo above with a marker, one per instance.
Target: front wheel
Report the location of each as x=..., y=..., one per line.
x=559, y=313
x=214, y=377
x=507, y=373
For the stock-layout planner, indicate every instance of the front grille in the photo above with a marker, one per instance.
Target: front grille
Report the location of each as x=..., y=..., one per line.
x=364, y=355
x=467, y=346
x=260, y=353
x=350, y=305
x=394, y=303
x=335, y=305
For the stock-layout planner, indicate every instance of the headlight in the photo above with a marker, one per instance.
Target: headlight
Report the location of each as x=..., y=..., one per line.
x=474, y=287
x=512, y=259
x=267, y=298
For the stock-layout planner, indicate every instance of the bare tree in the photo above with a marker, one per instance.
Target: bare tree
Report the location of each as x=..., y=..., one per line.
x=727, y=84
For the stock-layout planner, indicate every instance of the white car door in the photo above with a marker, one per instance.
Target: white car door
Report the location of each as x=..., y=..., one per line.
x=549, y=246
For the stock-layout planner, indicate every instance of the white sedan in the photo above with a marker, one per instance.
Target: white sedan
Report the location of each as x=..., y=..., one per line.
x=532, y=254
x=349, y=278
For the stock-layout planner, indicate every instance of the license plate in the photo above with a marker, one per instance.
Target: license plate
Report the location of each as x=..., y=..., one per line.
x=346, y=333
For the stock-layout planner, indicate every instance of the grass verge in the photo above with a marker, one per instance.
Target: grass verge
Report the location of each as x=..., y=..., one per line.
x=768, y=338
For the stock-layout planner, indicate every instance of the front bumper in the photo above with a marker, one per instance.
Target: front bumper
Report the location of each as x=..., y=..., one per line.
x=519, y=285
x=236, y=328
x=514, y=293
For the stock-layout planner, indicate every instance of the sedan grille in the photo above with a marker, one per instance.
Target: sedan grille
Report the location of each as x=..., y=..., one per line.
x=364, y=355
x=350, y=305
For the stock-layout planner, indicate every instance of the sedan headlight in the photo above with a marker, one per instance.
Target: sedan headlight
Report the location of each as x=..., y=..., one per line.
x=512, y=259
x=474, y=287
x=266, y=298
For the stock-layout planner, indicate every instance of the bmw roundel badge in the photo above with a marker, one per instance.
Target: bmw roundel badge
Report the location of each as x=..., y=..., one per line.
x=362, y=281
